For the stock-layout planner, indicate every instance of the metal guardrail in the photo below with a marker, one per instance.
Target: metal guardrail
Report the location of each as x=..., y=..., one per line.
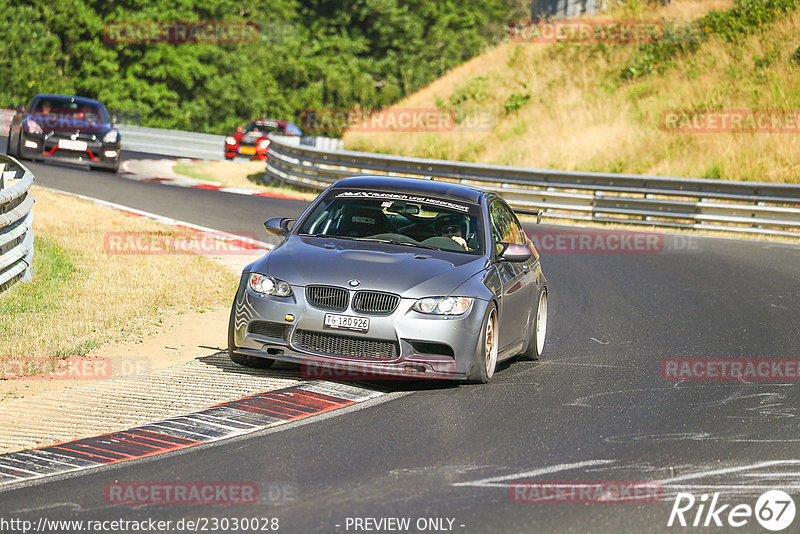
x=181, y=144
x=751, y=207
x=175, y=143
x=16, y=220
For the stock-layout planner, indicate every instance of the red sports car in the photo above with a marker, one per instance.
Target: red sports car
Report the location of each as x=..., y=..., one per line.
x=253, y=140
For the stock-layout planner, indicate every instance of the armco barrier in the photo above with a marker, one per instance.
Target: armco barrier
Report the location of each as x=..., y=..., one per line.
x=751, y=207
x=181, y=144
x=175, y=143
x=16, y=219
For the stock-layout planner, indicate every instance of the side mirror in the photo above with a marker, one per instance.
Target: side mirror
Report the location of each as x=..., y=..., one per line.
x=278, y=226
x=239, y=129
x=515, y=253
x=539, y=216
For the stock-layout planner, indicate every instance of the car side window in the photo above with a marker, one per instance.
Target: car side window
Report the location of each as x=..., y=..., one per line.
x=292, y=129
x=505, y=226
x=517, y=231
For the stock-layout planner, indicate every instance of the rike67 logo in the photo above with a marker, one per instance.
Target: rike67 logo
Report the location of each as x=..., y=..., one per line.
x=774, y=510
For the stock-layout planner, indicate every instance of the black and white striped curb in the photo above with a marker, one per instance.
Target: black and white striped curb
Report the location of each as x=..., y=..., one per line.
x=128, y=169
x=226, y=420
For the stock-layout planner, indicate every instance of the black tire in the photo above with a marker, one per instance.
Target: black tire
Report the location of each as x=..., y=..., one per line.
x=485, y=364
x=538, y=331
x=243, y=359
x=8, y=145
x=18, y=152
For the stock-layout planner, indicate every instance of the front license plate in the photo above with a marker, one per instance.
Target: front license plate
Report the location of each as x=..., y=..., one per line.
x=346, y=322
x=69, y=144
x=247, y=150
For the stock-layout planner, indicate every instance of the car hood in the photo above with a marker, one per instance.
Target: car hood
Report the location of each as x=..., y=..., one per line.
x=409, y=272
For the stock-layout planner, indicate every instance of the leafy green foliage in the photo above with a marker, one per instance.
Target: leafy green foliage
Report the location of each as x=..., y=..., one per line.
x=657, y=55
x=516, y=100
x=468, y=98
x=795, y=59
x=309, y=55
x=744, y=18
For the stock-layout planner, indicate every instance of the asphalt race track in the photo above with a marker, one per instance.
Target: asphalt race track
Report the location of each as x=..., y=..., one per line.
x=596, y=408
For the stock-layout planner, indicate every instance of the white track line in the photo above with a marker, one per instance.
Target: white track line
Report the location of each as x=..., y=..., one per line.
x=224, y=236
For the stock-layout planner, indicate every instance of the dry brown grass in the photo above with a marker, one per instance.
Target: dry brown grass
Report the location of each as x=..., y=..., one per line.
x=581, y=117
x=677, y=10
x=81, y=296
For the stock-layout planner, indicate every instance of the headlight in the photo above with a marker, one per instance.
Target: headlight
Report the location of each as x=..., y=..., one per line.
x=230, y=140
x=111, y=136
x=33, y=127
x=443, y=305
x=264, y=143
x=266, y=285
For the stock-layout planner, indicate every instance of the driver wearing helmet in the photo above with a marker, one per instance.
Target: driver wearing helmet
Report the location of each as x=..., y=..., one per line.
x=453, y=226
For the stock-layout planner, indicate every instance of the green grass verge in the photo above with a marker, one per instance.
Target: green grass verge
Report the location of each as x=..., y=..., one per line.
x=53, y=272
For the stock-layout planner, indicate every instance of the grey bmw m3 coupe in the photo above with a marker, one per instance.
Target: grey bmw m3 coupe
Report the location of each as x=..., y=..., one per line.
x=394, y=277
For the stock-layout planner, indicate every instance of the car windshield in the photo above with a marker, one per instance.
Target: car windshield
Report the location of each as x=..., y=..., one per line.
x=262, y=128
x=63, y=108
x=402, y=219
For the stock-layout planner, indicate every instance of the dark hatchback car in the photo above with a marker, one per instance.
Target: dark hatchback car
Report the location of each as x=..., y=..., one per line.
x=394, y=277
x=64, y=128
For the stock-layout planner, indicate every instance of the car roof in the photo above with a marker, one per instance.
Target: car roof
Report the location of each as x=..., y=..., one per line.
x=269, y=122
x=394, y=184
x=81, y=99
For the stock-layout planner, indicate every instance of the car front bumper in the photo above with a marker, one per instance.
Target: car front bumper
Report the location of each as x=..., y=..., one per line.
x=425, y=346
x=46, y=147
x=250, y=152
